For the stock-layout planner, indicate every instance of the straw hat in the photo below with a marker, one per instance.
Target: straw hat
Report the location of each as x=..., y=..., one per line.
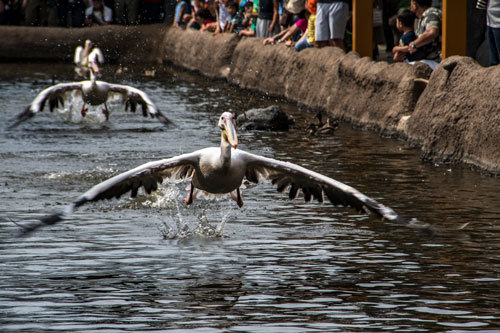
x=295, y=6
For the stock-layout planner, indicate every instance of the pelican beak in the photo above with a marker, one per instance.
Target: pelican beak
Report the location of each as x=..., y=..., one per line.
x=94, y=66
x=230, y=129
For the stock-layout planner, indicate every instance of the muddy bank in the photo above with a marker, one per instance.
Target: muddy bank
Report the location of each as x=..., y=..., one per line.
x=454, y=118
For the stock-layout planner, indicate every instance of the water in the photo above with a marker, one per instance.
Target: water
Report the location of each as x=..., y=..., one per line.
x=153, y=264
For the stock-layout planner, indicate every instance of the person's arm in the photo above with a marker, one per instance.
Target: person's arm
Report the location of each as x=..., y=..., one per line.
x=290, y=31
x=427, y=37
x=275, y=38
x=403, y=49
x=291, y=43
x=276, y=11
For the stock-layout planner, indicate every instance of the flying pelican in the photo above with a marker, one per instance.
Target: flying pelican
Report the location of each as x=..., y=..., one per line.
x=82, y=55
x=93, y=92
x=221, y=170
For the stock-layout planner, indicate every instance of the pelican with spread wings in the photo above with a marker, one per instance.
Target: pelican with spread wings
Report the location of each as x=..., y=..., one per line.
x=221, y=170
x=93, y=92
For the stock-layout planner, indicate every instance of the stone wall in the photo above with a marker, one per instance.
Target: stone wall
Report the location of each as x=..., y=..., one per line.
x=457, y=118
x=359, y=90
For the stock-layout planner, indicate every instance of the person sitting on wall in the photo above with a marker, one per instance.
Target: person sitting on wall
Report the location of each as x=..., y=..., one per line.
x=307, y=39
x=300, y=26
x=203, y=20
x=235, y=22
x=182, y=14
x=428, y=32
x=404, y=23
x=250, y=19
x=98, y=14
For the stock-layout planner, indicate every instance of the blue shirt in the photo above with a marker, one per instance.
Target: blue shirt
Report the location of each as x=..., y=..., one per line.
x=178, y=15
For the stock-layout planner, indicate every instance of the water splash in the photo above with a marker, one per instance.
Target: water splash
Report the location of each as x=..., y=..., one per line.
x=202, y=229
x=72, y=112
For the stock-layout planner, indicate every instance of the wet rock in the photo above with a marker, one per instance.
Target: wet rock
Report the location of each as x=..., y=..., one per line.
x=269, y=119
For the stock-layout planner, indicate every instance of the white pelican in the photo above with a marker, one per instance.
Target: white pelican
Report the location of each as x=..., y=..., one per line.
x=82, y=55
x=93, y=92
x=221, y=170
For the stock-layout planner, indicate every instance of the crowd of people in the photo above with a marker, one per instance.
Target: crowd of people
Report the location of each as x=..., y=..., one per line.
x=315, y=23
x=80, y=13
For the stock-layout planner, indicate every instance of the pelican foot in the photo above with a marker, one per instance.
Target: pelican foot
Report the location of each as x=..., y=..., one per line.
x=105, y=112
x=189, y=197
x=84, y=112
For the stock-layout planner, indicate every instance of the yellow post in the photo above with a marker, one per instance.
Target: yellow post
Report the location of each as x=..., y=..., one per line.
x=454, y=38
x=362, y=27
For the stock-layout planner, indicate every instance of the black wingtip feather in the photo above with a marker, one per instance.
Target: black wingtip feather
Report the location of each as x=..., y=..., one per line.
x=47, y=220
x=23, y=116
x=161, y=117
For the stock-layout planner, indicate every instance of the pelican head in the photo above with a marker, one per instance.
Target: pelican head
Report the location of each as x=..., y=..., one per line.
x=88, y=44
x=94, y=59
x=227, y=125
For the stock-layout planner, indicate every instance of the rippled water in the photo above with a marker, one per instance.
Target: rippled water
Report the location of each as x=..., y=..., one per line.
x=152, y=264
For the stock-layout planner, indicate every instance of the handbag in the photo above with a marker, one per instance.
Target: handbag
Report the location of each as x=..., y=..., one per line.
x=285, y=18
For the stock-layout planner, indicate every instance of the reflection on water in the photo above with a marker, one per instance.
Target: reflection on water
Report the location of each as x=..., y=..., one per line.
x=151, y=263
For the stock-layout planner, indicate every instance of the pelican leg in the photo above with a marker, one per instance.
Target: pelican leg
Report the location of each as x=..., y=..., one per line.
x=105, y=111
x=236, y=196
x=84, y=110
x=189, y=197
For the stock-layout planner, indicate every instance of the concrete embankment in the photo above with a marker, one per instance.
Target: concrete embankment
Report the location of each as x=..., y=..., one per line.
x=454, y=118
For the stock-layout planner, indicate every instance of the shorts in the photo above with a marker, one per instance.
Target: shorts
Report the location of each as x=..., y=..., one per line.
x=331, y=19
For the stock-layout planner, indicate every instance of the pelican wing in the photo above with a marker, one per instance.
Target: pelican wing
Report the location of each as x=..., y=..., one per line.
x=285, y=175
x=133, y=97
x=78, y=55
x=147, y=176
x=54, y=95
x=96, y=56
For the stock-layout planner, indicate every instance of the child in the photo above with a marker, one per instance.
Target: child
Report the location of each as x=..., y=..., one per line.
x=404, y=23
x=182, y=13
x=202, y=20
x=250, y=18
x=98, y=14
x=235, y=18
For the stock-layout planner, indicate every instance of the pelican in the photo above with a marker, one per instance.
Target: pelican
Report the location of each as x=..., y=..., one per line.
x=221, y=170
x=93, y=92
x=82, y=55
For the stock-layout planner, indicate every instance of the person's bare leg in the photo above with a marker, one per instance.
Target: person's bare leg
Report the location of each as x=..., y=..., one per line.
x=338, y=43
x=321, y=43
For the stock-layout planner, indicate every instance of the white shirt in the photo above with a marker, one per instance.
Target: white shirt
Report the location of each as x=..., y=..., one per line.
x=108, y=13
